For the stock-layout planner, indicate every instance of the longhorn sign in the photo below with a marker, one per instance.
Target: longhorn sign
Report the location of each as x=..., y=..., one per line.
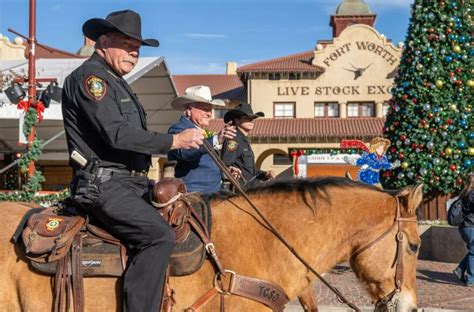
x=358, y=71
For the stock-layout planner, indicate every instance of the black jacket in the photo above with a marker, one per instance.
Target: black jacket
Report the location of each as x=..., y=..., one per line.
x=238, y=153
x=104, y=118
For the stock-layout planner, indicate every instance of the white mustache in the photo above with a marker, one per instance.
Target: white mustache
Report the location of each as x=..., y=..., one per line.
x=130, y=61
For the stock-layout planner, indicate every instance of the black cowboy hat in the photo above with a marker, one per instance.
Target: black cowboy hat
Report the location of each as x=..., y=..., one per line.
x=126, y=22
x=243, y=109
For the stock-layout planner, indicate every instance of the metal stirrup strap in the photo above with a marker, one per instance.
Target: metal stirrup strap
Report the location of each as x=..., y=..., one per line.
x=236, y=184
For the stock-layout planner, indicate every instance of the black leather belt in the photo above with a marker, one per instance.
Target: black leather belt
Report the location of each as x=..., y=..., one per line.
x=130, y=173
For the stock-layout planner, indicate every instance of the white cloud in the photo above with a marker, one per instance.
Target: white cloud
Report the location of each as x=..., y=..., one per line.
x=205, y=36
x=55, y=8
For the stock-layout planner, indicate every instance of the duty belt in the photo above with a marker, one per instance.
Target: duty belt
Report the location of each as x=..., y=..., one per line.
x=115, y=171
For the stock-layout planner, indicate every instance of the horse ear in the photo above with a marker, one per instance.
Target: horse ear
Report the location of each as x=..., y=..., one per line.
x=411, y=197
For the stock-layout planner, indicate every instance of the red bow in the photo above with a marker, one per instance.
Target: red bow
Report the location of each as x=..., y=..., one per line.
x=295, y=155
x=25, y=106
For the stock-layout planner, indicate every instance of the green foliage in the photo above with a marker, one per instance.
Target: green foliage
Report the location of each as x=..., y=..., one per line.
x=430, y=118
x=33, y=184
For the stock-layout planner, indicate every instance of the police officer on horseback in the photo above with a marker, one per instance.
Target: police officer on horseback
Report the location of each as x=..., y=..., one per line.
x=105, y=121
x=237, y=152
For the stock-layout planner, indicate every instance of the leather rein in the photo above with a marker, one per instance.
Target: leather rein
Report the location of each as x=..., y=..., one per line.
x=385, y=301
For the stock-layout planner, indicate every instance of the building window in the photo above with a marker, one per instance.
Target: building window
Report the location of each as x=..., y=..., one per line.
x=284, y=110
x=360, y=110
x=385, y=108
x=274, y=76
x=281, y=159
x=294, y=76
x=326, y=110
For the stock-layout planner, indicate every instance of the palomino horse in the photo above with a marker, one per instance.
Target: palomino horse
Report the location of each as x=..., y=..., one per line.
x=326, y=220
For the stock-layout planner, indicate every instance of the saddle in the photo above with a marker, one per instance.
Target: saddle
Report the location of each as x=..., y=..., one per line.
x=63, y=242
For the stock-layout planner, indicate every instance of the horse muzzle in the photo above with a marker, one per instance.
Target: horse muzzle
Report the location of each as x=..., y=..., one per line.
x=396, y=302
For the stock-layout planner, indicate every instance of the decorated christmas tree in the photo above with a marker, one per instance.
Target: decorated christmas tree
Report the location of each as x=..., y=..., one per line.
x=430, y=118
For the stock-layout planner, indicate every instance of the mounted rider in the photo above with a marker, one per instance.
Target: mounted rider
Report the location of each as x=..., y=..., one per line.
x=104, y=120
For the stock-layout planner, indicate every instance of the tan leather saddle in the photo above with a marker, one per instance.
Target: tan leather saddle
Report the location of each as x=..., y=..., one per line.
x=70, y=246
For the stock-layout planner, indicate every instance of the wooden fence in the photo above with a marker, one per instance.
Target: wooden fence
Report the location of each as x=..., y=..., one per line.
x=434, y=208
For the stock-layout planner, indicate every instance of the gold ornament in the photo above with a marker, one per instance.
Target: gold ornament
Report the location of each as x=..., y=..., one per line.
x=404, y=165
x=470, y=151
x=448, y=151
x=439, y=83
x=453, y=107
x=470, y=83
x=457, y=49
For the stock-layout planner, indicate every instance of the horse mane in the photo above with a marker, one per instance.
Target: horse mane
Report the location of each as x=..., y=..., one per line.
x=313, y=186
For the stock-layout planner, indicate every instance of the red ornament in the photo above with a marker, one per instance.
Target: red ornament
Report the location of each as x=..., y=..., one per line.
x=404, y=97
x=458, y=70
x=453, y=167
x=459, y=82
x=451, y=74
x=413, y=146
x=401, y=156
x=450, y=121
x=414, y=101
x=392, y=150
x=403, y=137
x=430, y=115
x=442, y=154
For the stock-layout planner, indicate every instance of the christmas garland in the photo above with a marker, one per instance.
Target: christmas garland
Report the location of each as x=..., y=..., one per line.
x=33, y=115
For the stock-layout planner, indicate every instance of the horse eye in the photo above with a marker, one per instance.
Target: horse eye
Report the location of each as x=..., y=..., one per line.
x=414, y=247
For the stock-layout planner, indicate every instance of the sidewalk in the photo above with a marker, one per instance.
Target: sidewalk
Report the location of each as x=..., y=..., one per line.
x=437, y=289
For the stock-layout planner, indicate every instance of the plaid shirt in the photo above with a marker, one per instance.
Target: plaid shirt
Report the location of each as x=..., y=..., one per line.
x=195, y=166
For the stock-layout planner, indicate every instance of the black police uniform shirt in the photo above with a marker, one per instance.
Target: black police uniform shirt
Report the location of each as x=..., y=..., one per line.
x=104, y=118
x=237, y=152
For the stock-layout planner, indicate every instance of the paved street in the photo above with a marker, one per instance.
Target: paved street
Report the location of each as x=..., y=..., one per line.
x=437, y=289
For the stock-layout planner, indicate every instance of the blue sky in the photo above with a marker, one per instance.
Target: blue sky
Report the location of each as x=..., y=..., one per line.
x=200, y=36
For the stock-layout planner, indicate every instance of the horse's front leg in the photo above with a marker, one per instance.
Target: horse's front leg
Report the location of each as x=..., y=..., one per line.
x=308, y=300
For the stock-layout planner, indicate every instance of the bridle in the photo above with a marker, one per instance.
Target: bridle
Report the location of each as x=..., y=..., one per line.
x=388, y=301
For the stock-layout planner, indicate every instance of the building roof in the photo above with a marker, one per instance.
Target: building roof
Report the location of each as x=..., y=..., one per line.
x=312, y=128
x=227, y=87
x=353, y=7
x=43, y=51
x=299, y=62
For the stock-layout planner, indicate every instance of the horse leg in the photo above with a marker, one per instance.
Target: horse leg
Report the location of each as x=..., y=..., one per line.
x=308, y=300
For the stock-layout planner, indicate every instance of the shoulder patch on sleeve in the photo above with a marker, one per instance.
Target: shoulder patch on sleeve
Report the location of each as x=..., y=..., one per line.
x=232, y=145
x=96, y=87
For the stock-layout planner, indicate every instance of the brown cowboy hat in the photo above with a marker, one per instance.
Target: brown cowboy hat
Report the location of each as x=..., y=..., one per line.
x=126, y=22
x=243, y=109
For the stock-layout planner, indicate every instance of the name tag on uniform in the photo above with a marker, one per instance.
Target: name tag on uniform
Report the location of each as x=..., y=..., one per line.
x=125, y=100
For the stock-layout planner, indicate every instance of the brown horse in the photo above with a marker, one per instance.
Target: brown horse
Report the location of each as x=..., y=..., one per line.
x=327, y=220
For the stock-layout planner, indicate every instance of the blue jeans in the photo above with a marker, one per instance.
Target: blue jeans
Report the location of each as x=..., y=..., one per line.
x=467, y=264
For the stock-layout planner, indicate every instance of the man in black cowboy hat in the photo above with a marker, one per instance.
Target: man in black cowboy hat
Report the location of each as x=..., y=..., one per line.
x=237, y=152
x=104, y=120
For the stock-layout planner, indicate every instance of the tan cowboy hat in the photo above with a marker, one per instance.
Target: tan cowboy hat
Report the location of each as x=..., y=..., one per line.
x=126, y=22
x=201, y=94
